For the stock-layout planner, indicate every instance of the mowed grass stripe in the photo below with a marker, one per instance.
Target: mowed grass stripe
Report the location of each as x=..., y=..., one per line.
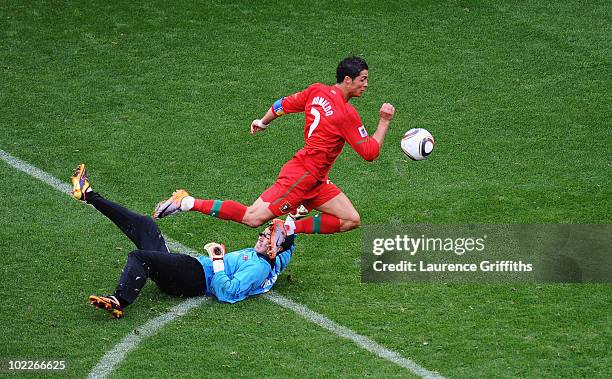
x=116, y=355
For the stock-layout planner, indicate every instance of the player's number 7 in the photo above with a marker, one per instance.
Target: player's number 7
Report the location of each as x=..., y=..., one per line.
x=315, y=123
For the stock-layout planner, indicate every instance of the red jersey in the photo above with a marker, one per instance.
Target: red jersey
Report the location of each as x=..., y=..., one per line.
x=330, y=122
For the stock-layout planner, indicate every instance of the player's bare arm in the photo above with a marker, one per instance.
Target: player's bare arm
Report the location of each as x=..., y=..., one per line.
x=386, y=115
x=261, y=124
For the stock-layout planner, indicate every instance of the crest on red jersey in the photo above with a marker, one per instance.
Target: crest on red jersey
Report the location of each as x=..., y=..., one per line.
x=362, y=131
x=285, y=207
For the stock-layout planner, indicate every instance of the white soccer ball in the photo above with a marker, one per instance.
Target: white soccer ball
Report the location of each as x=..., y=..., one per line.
x=417, y=144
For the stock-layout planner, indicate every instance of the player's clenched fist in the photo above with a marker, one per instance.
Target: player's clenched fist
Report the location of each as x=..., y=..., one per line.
x=387, y=111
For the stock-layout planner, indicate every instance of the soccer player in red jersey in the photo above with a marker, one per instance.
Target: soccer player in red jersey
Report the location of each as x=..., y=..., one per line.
x=331, y=121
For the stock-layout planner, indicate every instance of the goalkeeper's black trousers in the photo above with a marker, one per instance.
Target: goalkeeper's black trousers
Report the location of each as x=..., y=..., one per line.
x=174, y=274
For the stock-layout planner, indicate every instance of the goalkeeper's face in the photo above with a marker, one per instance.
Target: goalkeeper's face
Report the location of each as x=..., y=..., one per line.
x=263, y=241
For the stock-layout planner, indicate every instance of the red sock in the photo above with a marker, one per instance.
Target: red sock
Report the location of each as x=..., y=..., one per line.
x=225, y=210
x=319, y=224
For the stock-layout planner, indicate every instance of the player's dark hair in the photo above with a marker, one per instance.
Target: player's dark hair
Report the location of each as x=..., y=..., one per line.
x=351, y=67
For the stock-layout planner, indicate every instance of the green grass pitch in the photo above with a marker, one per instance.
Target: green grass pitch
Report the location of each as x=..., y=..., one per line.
x=154, y=96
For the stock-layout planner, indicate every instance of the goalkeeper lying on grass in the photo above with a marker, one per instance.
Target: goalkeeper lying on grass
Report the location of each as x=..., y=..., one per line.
x=229, y=277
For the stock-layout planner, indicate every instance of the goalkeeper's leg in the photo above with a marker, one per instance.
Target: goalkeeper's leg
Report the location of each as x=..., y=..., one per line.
x=174, y=274
x=141, y=230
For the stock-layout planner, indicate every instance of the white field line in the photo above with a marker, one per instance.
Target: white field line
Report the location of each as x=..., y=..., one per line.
x=35, y=172
x=344, y=332
x=116, y=355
